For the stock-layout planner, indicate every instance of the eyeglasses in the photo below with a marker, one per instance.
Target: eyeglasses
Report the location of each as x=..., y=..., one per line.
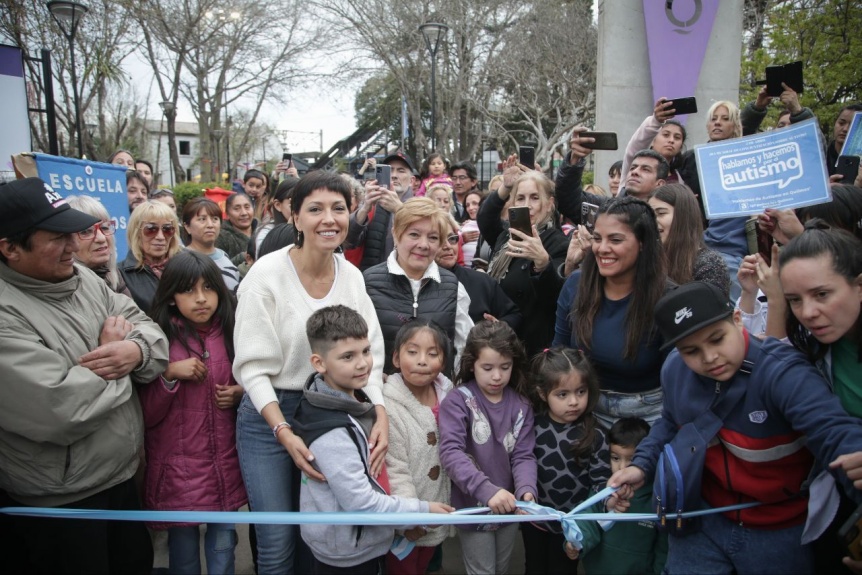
x=152, y=230
x=107, y=229
x=452, y=240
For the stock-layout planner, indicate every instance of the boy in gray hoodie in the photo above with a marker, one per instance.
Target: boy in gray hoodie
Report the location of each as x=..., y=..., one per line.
x=334, y=418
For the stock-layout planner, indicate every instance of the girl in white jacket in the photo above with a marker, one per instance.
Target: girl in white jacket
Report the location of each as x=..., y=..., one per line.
x=413, y=397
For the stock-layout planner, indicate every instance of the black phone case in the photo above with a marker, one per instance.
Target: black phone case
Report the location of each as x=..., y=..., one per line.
x=684, y=105
x=604, y=140
x=517, y=220
x=848, y=167
x=790, y=74
x=527, y=156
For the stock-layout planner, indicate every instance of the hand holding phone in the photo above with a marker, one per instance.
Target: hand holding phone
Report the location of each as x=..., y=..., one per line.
x=848, y=168
x=519, y=219
x=588, y=215
x=602, y=140
x=682, y=106
x=384, y=175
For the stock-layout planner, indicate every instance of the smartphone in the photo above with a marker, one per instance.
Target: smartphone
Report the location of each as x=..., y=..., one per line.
x=384, y=175
x=683, y=105
x=527, y=156
x=285, y=157
x=848, y=167
x=604, y=140
x=588, y=215
x=851, y=534
x=369, y=155
x=790, y=74
x=519, y=219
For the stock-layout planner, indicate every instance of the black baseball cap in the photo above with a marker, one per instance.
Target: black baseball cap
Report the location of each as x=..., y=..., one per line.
x=688, y=308
x=32, y=203
x=399, y=155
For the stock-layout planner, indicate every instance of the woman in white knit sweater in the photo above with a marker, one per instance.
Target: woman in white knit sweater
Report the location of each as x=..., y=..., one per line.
x=272, y=360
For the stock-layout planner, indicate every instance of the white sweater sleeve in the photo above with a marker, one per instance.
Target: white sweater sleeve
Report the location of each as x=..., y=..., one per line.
x=257, y=343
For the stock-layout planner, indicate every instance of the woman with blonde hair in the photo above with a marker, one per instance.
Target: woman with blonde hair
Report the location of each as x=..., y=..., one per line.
x=726, y=236
x=410, y=284
x=98, y=249
x=152, y=236
x=525, y=265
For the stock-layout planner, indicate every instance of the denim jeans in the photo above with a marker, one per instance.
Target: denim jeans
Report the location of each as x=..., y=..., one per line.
x=613, y=405
x=184, y=549
x=267, y=471
x=722, y=546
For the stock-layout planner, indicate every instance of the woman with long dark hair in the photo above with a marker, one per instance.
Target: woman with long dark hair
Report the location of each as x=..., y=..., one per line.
x=662, y=133
x=681, y=229
x=606, y=309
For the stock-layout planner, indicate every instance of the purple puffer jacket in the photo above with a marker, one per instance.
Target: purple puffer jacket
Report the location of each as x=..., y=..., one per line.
x=192, y=462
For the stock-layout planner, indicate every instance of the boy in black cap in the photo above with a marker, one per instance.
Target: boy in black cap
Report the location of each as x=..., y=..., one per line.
x=785, y=417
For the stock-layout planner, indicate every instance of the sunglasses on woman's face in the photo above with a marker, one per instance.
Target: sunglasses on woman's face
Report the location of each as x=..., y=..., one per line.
x=152, y=230
x=452, y=239
x=107, y=229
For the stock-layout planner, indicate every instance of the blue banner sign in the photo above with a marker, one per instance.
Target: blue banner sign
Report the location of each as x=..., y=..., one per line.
x=853, y=142
x=105, y=182
x=782, y=168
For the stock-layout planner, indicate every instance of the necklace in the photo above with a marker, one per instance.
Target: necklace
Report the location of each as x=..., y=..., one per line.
x=306, y=276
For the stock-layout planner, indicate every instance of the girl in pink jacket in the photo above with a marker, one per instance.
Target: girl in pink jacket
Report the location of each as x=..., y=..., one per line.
x=190, y=414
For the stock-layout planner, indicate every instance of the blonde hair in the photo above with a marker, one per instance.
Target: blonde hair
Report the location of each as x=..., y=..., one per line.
x=416, y=209
x=439, y=186
x=148, y=211
x=732, y=111
x=94, y=207
x=543, y=184
x=596, y=190
x=494, y=180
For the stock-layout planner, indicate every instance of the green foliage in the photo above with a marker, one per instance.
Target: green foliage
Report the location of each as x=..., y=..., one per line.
x=188, y=190
x=824, y=34
x=588, y=178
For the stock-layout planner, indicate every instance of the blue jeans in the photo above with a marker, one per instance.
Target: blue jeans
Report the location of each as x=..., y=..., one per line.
x=722, y=546
x=184, y=549
x=267, y=471
x=613, y=405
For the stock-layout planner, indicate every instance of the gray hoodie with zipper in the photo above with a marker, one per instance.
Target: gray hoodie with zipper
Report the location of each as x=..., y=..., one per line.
x=335, y=427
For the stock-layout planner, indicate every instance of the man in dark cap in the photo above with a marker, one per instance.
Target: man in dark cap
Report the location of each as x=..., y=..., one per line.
x=70, y=423
x=371, y=224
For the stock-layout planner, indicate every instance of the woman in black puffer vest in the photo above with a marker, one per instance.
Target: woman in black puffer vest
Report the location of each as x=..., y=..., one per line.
x=409, y=284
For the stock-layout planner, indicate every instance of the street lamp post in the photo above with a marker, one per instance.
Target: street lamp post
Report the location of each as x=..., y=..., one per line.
x=433, y=33
x=217, y=134
x=68, y=15
x=168, y=109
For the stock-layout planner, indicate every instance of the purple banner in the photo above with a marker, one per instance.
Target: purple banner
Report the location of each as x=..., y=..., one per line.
x=677, y=34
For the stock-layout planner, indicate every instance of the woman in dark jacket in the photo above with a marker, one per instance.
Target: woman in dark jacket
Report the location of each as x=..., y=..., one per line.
x=153, y=239
x=487, y=298
x=525, y=265
x=410, y=284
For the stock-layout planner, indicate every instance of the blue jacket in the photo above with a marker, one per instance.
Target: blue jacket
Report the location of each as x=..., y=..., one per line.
x=764, y=451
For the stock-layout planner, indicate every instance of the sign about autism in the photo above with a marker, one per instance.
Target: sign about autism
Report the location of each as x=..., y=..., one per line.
x=105, y=182
x=782, y=168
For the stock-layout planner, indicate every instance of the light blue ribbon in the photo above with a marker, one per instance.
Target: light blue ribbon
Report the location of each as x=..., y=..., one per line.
x=571, y=531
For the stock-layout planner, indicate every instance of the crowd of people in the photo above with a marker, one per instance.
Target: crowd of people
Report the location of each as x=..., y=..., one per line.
x=328, y=343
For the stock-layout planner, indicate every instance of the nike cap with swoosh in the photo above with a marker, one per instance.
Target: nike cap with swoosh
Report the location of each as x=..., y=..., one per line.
x=688, y=308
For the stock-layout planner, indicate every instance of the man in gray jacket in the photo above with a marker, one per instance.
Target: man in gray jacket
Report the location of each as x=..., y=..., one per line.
x=71, y=429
